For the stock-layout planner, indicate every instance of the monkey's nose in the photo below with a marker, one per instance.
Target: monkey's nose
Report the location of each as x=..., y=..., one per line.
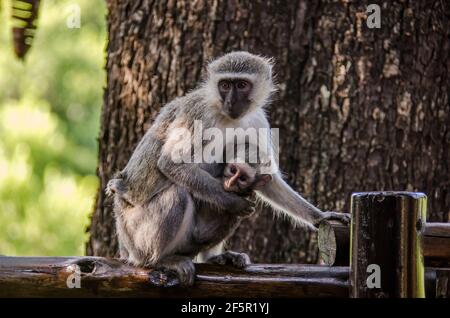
x=227, y=185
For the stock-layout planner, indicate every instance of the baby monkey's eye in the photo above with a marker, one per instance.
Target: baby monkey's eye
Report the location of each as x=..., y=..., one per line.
x=243, y=178
x=225, y=85
x=242, y=84
x=233, y=169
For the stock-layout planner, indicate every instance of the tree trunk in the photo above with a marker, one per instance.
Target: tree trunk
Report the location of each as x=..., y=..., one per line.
x=358, y=109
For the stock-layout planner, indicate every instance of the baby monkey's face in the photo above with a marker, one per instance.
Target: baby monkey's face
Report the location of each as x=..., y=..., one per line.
x=242, y=178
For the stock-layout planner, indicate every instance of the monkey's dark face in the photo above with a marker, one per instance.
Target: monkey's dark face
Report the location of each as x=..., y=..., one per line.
x=235, y=95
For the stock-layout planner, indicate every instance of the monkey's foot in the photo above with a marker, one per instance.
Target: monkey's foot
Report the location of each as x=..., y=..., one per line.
x=173, y=267
x=338, y=216
x=239, y=260
x=124, y=260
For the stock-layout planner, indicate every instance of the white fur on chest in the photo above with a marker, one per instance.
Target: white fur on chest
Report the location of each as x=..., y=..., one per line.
x=227, y=129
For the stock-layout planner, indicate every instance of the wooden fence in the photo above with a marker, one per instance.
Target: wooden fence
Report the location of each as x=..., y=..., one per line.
x=382, y=254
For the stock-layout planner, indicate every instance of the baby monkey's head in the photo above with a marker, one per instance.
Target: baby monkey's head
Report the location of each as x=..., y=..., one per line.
x=242, y=178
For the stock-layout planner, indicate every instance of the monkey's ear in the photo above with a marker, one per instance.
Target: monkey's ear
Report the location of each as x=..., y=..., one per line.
x=262, y=180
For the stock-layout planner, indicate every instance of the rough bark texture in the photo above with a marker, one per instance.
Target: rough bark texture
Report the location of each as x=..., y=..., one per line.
x=358, y=109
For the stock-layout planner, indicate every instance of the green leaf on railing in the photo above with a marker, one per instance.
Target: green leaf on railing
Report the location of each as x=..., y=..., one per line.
x=24, y=21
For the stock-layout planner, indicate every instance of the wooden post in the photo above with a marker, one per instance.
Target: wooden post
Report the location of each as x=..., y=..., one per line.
x=334, y=243
x=386, y=232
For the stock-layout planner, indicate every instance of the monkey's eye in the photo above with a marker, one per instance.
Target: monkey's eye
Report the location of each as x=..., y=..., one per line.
x=233, y=169
x=225, y=85
x=242, y=85
x=243, y=178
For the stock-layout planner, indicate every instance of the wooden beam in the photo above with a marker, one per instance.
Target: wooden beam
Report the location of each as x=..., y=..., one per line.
x=436, y=244
x=442, y=282
x=334, y=238
x=386, y=256
x=102, y=277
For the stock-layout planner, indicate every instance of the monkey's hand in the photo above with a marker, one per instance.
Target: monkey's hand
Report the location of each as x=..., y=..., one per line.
x=251, y=208
x=345, y=218
x=239, y=260
x=238, y=205
x=181, y=266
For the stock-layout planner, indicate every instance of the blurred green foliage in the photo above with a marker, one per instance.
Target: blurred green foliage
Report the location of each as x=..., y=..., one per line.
x=49, y=120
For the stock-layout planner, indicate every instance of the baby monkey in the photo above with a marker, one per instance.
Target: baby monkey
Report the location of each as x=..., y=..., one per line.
x=242, y=178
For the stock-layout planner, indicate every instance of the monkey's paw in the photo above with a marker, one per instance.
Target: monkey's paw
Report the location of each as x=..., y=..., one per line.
x=238, y=260
x=251, y=208
x=345, y=218
x=168, y=271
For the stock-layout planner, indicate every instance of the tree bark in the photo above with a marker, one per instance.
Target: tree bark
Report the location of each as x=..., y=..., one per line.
x=358, y=109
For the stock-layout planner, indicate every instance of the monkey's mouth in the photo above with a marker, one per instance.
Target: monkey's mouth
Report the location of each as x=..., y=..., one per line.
x=233, y=113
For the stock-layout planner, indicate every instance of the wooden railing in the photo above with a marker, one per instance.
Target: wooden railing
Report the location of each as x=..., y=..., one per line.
x=389, y=243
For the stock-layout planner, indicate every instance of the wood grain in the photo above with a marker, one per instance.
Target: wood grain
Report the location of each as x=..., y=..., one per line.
x=102, y=277
x=334, y=246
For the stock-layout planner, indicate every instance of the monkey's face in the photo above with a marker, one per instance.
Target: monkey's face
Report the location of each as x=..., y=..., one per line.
x=235, y=95
x=238, y=83
x=237, y=178
x=241, y=178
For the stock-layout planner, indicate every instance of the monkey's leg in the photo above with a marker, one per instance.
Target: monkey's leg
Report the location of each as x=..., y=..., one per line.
x=123, y=252
x=182, y=266
x=239, y=260
x=161, y=231
x=123, y=238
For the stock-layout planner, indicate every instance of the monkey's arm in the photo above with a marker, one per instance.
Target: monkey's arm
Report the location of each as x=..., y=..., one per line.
x=282, y=197
x=201, y=184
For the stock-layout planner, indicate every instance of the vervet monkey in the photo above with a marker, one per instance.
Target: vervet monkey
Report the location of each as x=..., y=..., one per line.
x=212, y=227
x=175, y=203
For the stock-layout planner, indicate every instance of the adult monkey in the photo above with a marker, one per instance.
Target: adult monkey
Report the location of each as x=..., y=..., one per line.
x=174, y=202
